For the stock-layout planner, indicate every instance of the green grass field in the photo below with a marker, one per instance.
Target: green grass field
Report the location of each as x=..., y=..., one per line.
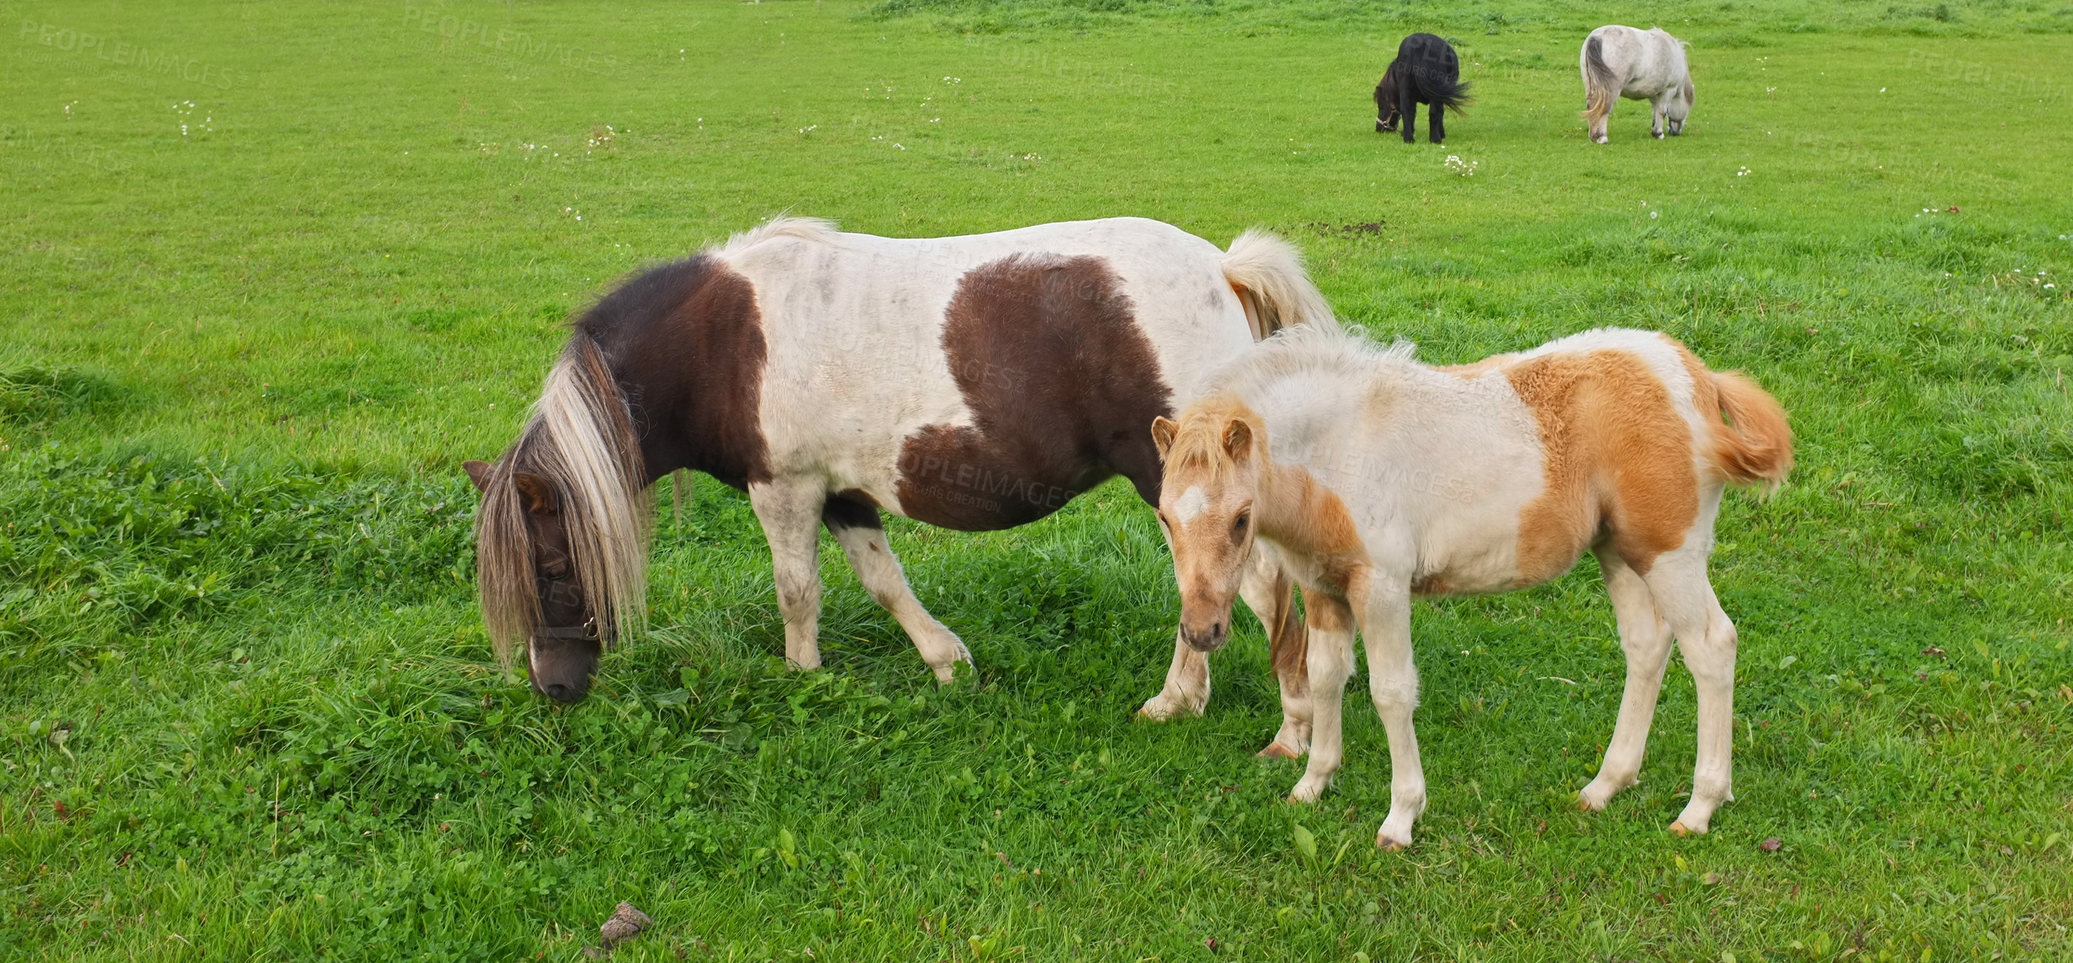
x=273, y=271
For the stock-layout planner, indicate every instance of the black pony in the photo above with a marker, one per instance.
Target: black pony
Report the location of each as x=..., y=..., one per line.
x=1425, y=71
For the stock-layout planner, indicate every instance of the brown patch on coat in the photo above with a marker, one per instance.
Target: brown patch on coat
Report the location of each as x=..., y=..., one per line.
x=685, y=343
x=1306, y=518
x=1617, y=462
x=1062, y=386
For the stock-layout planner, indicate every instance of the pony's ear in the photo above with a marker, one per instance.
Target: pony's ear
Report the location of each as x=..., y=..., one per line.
x=1163, y=429
x=539, y=496
x=478, y=472
x=1238, y=440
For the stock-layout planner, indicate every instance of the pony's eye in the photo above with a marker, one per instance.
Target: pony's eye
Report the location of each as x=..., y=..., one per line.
x=1238, y=524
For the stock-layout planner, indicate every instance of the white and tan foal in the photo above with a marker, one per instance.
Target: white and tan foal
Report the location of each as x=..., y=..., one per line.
x=1377, y=478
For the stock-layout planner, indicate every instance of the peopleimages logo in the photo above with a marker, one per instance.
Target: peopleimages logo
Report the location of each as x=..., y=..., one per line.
x=114, y=50
x=465, y=34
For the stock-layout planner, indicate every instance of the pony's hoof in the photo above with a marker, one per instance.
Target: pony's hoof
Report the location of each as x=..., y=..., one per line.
x=1276, y=750
x=1679, y=829
x=1160, y=708
x=1388, y=845
x=1307, y=790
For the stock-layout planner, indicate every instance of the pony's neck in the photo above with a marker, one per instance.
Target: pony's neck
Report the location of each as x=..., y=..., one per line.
x=659, y=458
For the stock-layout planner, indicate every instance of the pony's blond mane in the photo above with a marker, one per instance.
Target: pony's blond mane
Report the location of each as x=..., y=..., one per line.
x=580, y=441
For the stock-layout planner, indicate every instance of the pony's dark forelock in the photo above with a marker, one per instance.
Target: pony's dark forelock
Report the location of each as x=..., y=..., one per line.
x=580, y=441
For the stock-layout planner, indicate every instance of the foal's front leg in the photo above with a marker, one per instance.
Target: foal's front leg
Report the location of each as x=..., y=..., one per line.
x=790, y=511
x=1330, y=661
x=1393, y=682
x=1655, y=125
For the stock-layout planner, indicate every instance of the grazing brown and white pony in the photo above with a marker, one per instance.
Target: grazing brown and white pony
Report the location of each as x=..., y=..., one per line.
x=973, y=382
x=1639, y=65
x=1376, y=479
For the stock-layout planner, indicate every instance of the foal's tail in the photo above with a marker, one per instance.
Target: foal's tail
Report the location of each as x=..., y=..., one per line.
x=1601, y=88
x=1752, y=442
x=1267, y=274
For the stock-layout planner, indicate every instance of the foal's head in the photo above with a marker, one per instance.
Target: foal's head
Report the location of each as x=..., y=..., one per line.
x=1213, y=459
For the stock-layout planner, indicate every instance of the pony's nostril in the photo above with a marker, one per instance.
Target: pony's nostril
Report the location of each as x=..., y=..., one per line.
x=559, y=692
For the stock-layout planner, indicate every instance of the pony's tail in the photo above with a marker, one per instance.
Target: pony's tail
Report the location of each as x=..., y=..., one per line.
x=1601, y=88
x=1752, y=441
x=1267, y=274
x=1449, y=93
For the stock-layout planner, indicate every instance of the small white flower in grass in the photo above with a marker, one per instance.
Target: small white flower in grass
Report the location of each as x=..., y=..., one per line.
x=1744, y=172
x=1464, y=168
x=1882, y=90
x=1652, y=215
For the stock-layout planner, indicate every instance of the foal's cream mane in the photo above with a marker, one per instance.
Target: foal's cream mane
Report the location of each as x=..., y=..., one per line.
x=1324, y=361
x=1315, y=355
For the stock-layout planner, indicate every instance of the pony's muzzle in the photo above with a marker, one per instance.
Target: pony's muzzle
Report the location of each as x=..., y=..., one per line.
x=561, y=661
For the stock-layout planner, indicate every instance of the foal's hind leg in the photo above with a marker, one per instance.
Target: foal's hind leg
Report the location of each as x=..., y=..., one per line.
x=1407, y=107
x=856, y=527
x=791, y=513
x=1645, y=638
x=1706, y=636
x=1436, y=127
